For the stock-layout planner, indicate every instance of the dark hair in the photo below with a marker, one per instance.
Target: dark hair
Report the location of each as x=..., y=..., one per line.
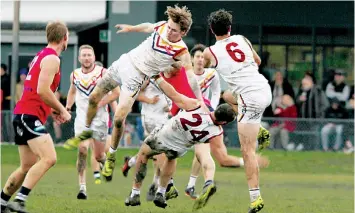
x=220, y=22
x=311, y=75
x=225, y=113
x=197, y=47
x=4, y=67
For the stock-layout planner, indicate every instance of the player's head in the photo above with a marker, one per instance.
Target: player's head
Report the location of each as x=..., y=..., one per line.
x=86, y=56
x=57, y=33
x=197, y=55
x=179, y=22
x=224, y=114
x=220, y=22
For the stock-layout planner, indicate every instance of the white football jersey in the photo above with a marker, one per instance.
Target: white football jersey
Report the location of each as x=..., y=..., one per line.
x=210, y=86
x=188, y=128
x=154, y=110
x=236, y=64
x=85, y=84
x=156, y=54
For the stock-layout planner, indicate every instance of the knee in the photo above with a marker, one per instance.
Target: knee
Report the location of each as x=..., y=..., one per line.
x=99, y=157
x=94, y=100
x=118, y=121
x=247, y=150
x=83, y=150
x=50, y=161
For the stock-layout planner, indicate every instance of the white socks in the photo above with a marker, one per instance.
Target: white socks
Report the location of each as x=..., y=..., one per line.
x=241, y=162
x=254, y=194
x=132, y=161
x=135, y=192
x=112, y=150
x=161, y=190
x=192, y=181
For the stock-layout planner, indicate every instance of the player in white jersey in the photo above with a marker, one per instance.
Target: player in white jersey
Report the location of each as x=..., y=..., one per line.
x=160, y=52
x=83, y=81
x=174, y=138
x=237, y=62
x=207, y=78
x=210, y=84
x=153, y=115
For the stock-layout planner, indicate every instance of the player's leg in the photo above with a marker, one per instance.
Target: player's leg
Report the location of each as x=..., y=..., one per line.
x=208, y=166
x=99, y=136
x=95, y=165
x=252, y=107
x=15, y=180
x=43, y=147
x=167, y=172
x=171, y=190
x=105, y=85
x=263, y=137
x=83, y=150
x=154, y=186
x=195, y=171
x=140, y=172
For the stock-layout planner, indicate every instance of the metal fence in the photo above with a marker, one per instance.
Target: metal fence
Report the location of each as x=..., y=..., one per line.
x=289, y=134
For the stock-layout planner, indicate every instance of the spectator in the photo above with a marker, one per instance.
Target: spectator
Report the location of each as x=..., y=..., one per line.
x=279, y=87
x=311, y=100
x=280, y=130
x=338, y=88
x=19, y=85
x=5, y=87
x=349, y=129
x=335, y=111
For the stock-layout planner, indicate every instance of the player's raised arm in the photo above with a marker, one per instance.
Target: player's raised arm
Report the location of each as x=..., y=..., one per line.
x=49, y=67
x=140, y=28
x=180, y=100
x=71, y=93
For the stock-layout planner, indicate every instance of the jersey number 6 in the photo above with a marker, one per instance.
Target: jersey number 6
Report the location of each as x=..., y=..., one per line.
x=196, y=134
x=233, y=53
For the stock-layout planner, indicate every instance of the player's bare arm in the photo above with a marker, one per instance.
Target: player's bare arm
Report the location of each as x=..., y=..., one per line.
x=71, y=94
x=50, y=67
x=180, y=100
x=255, y=55
x=210, y=61
x=140, y=28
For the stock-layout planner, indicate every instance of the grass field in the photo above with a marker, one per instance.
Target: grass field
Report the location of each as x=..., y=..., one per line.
x=295, y=182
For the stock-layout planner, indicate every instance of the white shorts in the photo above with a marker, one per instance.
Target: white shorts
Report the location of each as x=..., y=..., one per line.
x=99, y=128
x=127, y=76
x=252, y=105
x=162, y=140
x=150, y=123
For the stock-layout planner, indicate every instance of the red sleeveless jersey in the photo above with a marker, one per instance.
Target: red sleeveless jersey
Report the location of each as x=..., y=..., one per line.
x=181, y=84
x=30, y=102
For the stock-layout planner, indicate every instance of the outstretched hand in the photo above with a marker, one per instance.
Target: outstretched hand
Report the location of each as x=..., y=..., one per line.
x=123, y=28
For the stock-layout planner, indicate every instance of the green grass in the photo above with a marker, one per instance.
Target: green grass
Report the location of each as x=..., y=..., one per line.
x=295, y=182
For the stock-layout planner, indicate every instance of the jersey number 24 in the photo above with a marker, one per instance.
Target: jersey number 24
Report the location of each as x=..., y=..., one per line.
x=196, y=134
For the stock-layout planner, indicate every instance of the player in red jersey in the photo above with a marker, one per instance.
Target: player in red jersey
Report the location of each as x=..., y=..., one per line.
x=36, y=148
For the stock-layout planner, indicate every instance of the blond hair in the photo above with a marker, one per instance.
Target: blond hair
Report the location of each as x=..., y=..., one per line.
x=56, y=31
x=181, y=16
x=86, y=46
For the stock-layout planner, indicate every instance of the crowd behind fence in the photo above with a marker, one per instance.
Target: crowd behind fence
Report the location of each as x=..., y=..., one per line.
x=304, y=134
